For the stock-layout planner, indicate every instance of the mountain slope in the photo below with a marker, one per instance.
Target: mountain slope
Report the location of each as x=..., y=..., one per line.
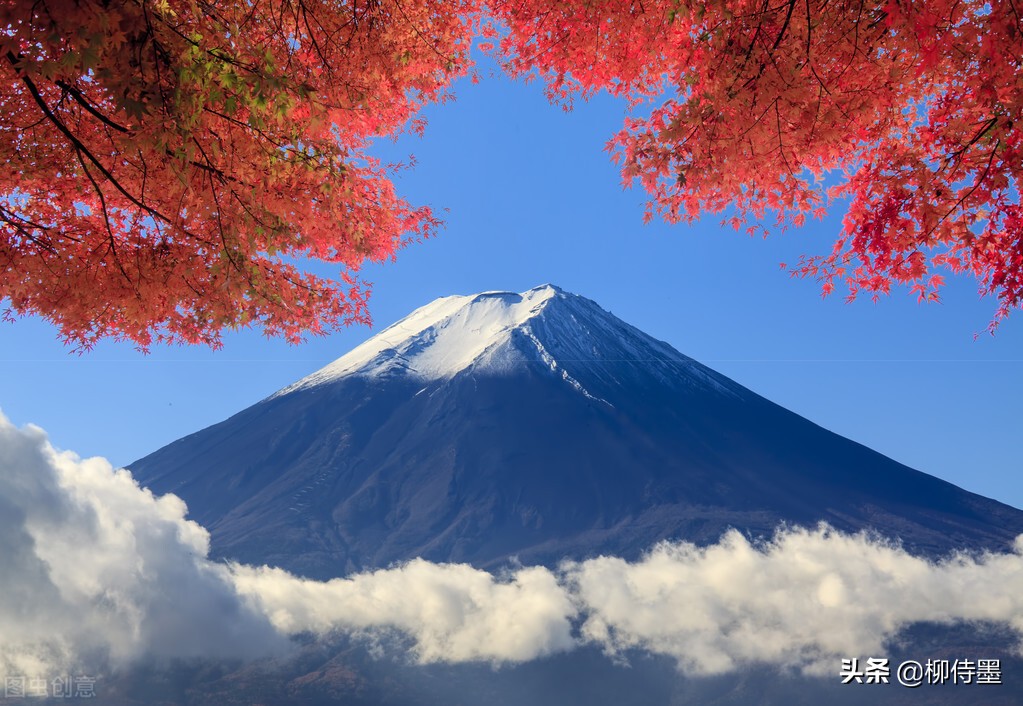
x=537, y=426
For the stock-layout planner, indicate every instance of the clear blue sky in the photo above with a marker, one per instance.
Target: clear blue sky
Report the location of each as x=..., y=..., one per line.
x=533, y=198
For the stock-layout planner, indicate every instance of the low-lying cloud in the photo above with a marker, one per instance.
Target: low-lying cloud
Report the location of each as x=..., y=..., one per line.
x=453, y=612
x=98, y=573
x=804, y=599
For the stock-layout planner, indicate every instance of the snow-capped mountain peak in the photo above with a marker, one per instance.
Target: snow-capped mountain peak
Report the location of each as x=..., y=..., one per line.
x=440, y=339
x=538, y=426
x=499, y=332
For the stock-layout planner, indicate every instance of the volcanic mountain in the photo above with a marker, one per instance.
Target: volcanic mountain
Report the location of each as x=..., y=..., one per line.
x=534, y=426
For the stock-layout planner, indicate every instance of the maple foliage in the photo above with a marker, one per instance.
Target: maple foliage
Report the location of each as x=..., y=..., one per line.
x=167, y=161
x=908, y=111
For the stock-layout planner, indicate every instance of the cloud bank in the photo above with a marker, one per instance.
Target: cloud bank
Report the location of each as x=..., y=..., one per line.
x=805, y=599
x=453, y=612
x=98, y=573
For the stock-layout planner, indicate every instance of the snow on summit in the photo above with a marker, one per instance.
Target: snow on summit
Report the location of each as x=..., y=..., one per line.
x=440, y=339
x=497, y=330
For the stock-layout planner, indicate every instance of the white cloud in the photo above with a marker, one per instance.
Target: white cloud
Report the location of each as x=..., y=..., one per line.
x=804, y=599
x=454, y=613
x=98, y=572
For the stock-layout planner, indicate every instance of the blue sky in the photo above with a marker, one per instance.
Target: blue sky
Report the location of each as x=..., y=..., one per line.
x=533, y=198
